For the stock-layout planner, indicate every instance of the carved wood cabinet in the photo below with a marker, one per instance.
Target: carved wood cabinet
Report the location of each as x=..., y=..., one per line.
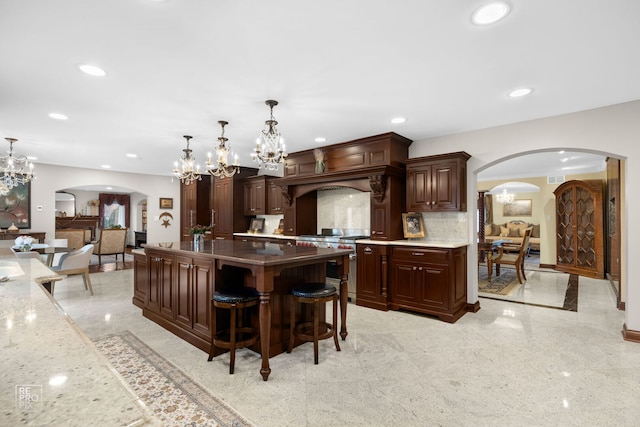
x=372, y=276
x=194, y=205
x=255, y=196
x=437, y=183
x=580, y=228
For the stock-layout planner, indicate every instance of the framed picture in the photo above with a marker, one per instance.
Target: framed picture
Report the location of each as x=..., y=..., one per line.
x=256, y=226
x=412, y=225
x=166, y=203
x=517, y=208
x=15, y=207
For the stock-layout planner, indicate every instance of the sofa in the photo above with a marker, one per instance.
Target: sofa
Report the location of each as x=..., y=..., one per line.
x=514, y=231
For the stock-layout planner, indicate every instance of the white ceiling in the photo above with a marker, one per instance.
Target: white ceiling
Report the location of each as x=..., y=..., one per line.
x=340, y=69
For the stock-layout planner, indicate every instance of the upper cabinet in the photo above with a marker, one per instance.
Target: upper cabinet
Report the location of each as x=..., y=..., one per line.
x=275, y=199
x=437, y=183
x=227, y=197
x=255, y=200
x=195, y=208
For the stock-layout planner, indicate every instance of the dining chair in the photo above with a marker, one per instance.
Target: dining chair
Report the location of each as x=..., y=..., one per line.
x=76, y=262
x=505, y=256
x=112, y=241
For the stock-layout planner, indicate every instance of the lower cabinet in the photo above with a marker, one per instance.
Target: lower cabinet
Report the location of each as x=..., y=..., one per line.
x=372, y=276
x=179, y=291
x=430, y=281
x=140, y=283
x=425, y=280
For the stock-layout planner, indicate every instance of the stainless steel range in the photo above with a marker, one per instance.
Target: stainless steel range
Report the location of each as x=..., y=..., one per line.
x=340, y=239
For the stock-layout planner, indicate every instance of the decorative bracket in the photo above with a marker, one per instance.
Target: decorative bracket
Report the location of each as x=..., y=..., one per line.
x=286, y=194
x=378, y=184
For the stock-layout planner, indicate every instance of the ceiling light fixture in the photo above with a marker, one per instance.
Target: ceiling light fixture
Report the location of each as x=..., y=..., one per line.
x=504, y=197
x=223, y=169
x=12, y=169
x=490, y=13
x=92, y=70
x=270, y=150
x=320, y=139
x=184, y=169
x=398, y=120
x=517, y=93
x=58, y=116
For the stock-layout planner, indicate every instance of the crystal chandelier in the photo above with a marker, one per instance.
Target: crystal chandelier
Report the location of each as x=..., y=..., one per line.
x=184, y=169
x=504, y=197
x=223, y=169
x=270, y=150
x=14, y=170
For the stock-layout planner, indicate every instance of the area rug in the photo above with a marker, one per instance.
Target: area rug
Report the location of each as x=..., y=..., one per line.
x=172, y=395
x=504, y=284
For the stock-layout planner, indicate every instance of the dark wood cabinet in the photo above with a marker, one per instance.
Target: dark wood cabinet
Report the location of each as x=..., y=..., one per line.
x=227, y=197
x=429, y=280
x=386, y=211
x=437, y=183
x=195, y=207
x=372, y=276
x=301, y=217
x=140, y=285
x=255, y=196
x=580, y=228
x=275, y=200
x=179, y=290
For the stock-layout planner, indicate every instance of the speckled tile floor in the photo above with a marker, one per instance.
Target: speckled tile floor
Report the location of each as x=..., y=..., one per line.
x=508, y=364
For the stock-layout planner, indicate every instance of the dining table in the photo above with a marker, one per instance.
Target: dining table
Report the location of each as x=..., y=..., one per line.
x=46, y=250
x=488, y=247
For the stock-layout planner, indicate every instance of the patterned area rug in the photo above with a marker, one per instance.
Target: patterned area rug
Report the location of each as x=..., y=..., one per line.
x=504, y=284
x=173, y=397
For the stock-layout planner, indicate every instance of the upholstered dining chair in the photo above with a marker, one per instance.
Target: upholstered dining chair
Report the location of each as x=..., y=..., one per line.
x=505, y=256
x=111, y=241
x=76, y=262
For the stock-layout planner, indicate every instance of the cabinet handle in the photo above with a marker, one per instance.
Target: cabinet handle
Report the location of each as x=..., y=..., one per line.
x=417, y=253
x=368, y=251
x=415, y=268
x=420, y=268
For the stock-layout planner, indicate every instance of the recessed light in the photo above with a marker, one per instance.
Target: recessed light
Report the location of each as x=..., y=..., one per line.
x=58, y=116
x=398, y=120
x=490, y=13
x=32, y=158
x=320, y=139
x=517, y=93
x=132, y=155
x=106, y=166
x=109, y=188
x=92, y=70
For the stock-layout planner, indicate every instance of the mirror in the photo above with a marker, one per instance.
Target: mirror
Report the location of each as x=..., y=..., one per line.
x=65, y=204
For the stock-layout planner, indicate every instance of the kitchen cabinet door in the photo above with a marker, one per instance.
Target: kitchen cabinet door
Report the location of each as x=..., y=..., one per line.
x=184, y=291
x=160, y=296
x=255, y=196
x=203, y=287
x=275, y=199
x=371, y=284
x=437, y=183
x=140, y=280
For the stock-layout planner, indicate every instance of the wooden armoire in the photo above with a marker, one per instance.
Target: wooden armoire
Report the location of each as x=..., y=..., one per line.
x=580, y=228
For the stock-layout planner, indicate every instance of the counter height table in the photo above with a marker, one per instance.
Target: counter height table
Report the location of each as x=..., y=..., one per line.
x=180, y=282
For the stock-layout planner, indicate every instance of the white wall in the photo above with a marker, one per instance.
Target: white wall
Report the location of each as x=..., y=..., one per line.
x=51, y=178
x=613, y=130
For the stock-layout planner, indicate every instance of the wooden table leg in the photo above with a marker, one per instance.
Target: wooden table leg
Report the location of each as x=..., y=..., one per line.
x=489, y=264
x=265, y=333
x=344, y=299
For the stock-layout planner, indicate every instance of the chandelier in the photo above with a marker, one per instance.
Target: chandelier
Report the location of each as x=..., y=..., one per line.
x=504, y=197
x=184, y=169
x=14, y=170
x=270, y=150
x=223, y=169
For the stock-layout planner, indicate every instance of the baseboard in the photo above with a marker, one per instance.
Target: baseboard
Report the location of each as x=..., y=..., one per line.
x=473, y=308
x=628, y=335
x=549, y=266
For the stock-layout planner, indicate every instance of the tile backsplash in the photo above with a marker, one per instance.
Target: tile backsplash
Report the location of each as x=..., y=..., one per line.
x=446, y=226
x=344, y=208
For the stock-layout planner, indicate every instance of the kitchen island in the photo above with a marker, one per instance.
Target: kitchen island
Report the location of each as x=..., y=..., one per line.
x=174, y=283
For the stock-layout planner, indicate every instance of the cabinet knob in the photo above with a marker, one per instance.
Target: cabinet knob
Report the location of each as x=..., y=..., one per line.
x=420, y=268
x=368, y=251
x=415, y=268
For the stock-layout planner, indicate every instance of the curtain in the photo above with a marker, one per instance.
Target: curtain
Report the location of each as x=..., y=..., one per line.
x=108, y=199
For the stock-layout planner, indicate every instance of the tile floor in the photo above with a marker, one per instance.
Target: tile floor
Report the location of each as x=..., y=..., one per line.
x=508, y=364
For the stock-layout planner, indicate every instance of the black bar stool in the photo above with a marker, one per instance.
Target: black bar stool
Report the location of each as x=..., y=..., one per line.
x=316, y=294
x=236, y=336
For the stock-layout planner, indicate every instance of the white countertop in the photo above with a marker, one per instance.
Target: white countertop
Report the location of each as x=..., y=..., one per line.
x=420, y=243
x=41, y=344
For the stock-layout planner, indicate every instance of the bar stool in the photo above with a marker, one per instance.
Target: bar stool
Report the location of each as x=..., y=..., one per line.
x=316, y=294
x=237, y=335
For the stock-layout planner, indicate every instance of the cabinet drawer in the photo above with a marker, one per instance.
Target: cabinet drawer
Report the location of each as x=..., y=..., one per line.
x=422, y=255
